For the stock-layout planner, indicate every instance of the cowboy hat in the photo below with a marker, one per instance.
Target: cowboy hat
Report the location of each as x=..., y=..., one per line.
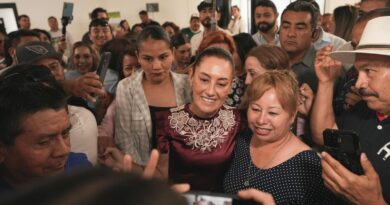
x=375, y=40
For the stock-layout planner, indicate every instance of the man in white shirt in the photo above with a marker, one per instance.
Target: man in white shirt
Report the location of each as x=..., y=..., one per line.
x=205, y=15
x=56, y=37
x=265, y=19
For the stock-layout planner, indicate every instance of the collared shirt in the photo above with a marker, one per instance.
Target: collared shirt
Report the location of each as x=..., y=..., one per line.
x=133, y=125
x=304, y=70
x=328, y=39
x=74, y=161
x=373, y=137
x=261, y=40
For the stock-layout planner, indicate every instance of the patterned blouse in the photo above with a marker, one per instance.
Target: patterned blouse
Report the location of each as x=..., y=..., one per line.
x=296, y=181
x=200, y=150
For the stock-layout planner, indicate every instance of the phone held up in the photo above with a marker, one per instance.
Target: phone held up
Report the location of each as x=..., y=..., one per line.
x=102, y=68
x=205, y=198
x=344, y=146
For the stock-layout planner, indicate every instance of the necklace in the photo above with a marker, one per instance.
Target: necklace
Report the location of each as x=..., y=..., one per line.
x=249, y=176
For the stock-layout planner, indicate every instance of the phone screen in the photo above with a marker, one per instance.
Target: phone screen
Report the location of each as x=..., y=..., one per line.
x=206, y=198
x=103, y=65
x=68, y=10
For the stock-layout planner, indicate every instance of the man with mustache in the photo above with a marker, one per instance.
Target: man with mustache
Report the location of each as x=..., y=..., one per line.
x=265, y=19
x=369, y=118
x=347, y=95
x=205, y=18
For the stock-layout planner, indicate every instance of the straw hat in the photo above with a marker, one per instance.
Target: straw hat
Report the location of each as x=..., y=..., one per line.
x=375, y=40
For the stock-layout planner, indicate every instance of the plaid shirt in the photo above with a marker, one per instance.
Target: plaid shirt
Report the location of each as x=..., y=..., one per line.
x=133, y=126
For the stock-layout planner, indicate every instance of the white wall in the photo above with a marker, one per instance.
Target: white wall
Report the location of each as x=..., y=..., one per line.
x=178, y=11
x=332, y=4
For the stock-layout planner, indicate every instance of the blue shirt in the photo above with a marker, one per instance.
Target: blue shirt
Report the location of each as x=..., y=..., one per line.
x=75, y=160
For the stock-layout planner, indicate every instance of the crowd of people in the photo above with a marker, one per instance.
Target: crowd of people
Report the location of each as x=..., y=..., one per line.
x=203, y=108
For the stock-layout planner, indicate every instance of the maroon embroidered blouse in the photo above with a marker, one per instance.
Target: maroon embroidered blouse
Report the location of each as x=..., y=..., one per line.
x=200, y=150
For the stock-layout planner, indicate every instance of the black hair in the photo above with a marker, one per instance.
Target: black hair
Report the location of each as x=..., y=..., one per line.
x=203, y=5
x=98, y=22
x=175, y=27
x=116, y=46
x=314, y=3
x=266, y=3
x=96, y=11
x=42, y=31
x=155, y=33
x=26, y=89
x=13, y=40
x=304, y=6
x=96, y=186
x=23, y=16
x=143, y=12
x=135, y=25
x=213, y=52
x=131, y=51
x=244, y=43
x=178, y=40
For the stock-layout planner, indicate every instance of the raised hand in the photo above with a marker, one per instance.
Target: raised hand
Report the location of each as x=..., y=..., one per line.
x=327, y=69
x=305, y=100
x=364, y=190
x=85, y=85
x=115, y=159
x=351, y=98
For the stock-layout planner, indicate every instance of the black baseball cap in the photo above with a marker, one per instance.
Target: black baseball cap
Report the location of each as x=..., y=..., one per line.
x=36, y=50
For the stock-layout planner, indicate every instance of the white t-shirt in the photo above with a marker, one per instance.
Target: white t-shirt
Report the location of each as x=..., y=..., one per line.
x=84, y=132
x=56, y=37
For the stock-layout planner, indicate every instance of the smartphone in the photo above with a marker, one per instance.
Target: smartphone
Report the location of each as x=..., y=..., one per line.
x=344, y=146
x=105, y=58
x=67, y=10
x=206, y=198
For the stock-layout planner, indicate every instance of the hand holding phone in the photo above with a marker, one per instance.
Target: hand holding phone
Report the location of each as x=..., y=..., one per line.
x=344, y=146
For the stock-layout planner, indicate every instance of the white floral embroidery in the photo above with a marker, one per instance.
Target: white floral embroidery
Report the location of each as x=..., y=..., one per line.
x=204, y=135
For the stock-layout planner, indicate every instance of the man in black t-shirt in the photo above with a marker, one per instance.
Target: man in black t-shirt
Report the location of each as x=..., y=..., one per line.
x=145, y=20
x=369, y=118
